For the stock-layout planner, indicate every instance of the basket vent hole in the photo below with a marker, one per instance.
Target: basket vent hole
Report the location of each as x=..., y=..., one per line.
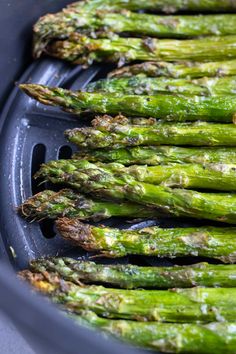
x=65, y=152
x=47, y=228
x=38, y=157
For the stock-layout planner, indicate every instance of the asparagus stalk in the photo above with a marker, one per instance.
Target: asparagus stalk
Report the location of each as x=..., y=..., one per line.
x=138, y=85
x=177, y=108
x=80, y=49
x=191, y=70
x=155, y=155
x=166, y=6
x=168, y=338
x=177, y=305
x=210, y=176
x=131, y=276
x=66, y=202
x=64, y=23
x=118, y=136
x=91, y=178
x=213, y=242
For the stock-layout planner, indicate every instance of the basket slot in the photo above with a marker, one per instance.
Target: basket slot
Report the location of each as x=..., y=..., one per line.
x=47, y=228
x=65, y=152
x=38, y=157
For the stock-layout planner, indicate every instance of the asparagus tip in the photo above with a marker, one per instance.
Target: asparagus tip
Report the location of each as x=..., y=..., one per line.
x=75, y=231
x=35, y=91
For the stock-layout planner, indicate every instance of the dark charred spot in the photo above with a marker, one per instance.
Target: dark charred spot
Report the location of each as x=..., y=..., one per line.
x=150, y=44
x=170, y=22
x=132, y=141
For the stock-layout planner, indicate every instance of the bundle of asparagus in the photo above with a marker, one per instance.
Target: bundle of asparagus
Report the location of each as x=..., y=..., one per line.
x=185, y=167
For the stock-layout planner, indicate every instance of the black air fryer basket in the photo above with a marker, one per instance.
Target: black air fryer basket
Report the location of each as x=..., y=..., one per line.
x=30, y=135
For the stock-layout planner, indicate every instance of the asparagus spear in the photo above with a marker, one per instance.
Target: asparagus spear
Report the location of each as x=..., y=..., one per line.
x=66, y=202
x=91, y=178
x=132, y=276
x=138, y=85
x=155, y=155
x=210, y=176
x=168, y=338
x=191, y=70
x=80, y=49
x=213, y=242
x=64, y=23
x=177, y=305
x=177, y=108
x=167, y=6
x=118, y=136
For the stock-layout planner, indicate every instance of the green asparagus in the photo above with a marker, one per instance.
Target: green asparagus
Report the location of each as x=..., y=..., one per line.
x=220, y=176
x=177, y=305
x=138, y=85
x=132, y=276
x=213, y=242
x=155, y=155
x=169, y=107
x=167, y=6
x=66, y=202
x=81, y=49
x=185, y=338
x=90, y=178
x=66, y=22
x=191, y=70
x=118, y=136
